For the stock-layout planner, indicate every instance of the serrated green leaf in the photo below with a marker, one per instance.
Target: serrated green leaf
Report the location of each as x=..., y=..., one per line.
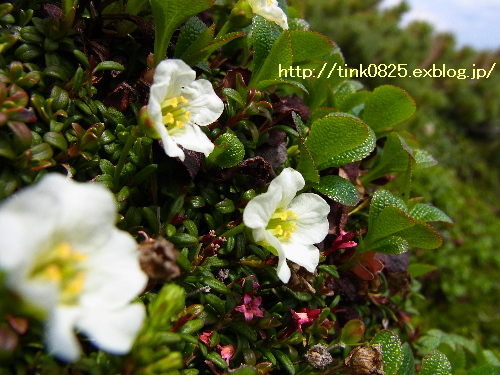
x=408, y=364
x=435, y=363
x=338, y=189
x=387, y=106
x=389, y=221
x=190, y=32
x=306, y=164
x=380, y=200
x=389, y=245
x=309, y=45
x=421, y=235
x=426, y=213
x=168, y=16
x=420, y=269
x=280, y=56
x=334, y=135
x=392, y=353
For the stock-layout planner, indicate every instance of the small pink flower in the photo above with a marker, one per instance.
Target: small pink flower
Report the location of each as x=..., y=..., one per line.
x=342, y=242
x=304, y=318
x=250, y=307
x=205, y=337
x=227, y=352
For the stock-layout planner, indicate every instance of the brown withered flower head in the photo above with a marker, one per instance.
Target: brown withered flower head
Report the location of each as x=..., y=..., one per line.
x=318, y=356
x=157, y=258
x=365, y=361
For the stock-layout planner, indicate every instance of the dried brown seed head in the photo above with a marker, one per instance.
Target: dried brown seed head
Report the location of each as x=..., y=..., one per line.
x=365, y=361
x=318, y=356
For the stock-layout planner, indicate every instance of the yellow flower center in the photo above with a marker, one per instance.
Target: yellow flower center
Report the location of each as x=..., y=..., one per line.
x=269, y=2
x=174, y=113
x=62, y=266
x=282, y=224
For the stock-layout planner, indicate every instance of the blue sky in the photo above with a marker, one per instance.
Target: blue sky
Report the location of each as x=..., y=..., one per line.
x=474, y=22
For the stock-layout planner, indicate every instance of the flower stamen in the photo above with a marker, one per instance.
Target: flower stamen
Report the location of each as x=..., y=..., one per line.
x=174, y=113
x=282, y=224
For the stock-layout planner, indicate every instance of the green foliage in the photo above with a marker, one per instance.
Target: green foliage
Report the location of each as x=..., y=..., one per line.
x=214, y=299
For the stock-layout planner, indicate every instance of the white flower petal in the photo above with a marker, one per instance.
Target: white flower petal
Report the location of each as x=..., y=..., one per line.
x=287, y=184
x=114, y=275
x=270, y=10
x=60, y=338
x=113, y=331
x=259, y=210
x=311, y=210
x=171, y=75
x=283, y=271
x=306, y=256
x=191, y=137
x=204, y=104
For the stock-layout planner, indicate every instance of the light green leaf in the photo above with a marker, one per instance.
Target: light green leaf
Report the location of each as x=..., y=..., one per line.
x=390, y=245
x=192, y=56
x=395, y=158
x=424, y=159
x=264, y=35
x=390, y=220
x=309, y=45
x=422, y=235
x=338, y=189
x=426, y=213
x=352, y=332
x=280, y=56
x=408, y=365
x=420, y=269
x=357, y=153
x=190, y=32
x=168, y=16
x=392, y=353
x=228, y=151
x=388, y=106
x=435, y=363
x=332, y=136
x=380, y=200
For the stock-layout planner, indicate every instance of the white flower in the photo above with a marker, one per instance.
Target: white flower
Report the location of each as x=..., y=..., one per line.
x=270, y=10
x=63, y=255
x=290, y=224
x=178, y=105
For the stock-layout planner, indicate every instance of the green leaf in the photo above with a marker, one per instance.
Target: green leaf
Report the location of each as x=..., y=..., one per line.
x=389, y=221
x=392, y=353
x=190, y=32
x=422, y=235
x=264, y=35
x=380, y=200
x=388, y=106
x=331, y=136
x=426, y=213
x=309, y=45
x=390, y=245
x=408, y=365
x=109, y=65
x=56, y=140
x=355, y=154
x=193, y=55
x=306, y=164
x=168, y=16
x=395, y=158
x=338, y=189
x=228, y=151
x=435, y=363
x=352, y=332
x=484, y=370
x=280, y=56
x=424, y=159
x=420, y=269
x=243, y=370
